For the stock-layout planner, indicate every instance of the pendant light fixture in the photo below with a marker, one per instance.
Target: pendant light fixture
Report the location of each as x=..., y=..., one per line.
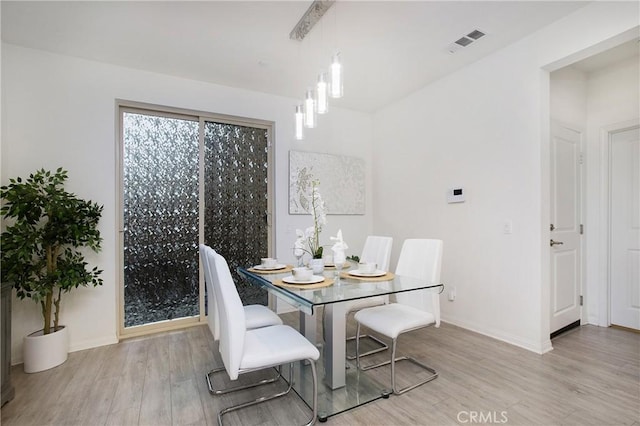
x=328, y=84
x=322, y=94
x=335, y=77
x=299, y=122
x=309, y=110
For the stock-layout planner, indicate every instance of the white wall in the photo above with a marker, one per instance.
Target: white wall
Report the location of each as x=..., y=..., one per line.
x=60, y=111
x=568, y=102
x=485, y=128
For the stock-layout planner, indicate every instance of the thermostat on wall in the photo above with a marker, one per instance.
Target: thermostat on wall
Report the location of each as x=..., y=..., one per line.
x=455, y=195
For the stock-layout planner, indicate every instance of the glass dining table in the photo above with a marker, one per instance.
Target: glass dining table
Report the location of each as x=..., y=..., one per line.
x=343, y=387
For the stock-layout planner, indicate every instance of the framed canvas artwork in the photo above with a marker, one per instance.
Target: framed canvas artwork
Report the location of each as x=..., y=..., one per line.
x=341, y=178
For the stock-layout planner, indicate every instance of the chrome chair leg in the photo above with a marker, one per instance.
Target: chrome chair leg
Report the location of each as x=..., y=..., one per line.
x=393, y=361
x=213, y=391
x=358, y=347
x=314, y=375
x=279, y=394
x=383, y=346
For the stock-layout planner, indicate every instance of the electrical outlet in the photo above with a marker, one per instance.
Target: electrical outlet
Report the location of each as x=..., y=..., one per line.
x=507, y=227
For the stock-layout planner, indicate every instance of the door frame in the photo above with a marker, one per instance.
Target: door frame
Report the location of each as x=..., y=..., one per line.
x=604, y=292
x=200, y=116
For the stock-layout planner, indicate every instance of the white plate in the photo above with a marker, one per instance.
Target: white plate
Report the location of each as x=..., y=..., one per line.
x=269, y=268
x=313, y=280
x=359, y=273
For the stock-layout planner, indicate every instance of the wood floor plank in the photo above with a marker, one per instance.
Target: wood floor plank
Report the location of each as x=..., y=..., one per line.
x=129, y=393
x=186, y=407
x=180, y=362
x=158, y=366
x=129, y=416
x=156, y=406
x=117, y=354
x=99, y=401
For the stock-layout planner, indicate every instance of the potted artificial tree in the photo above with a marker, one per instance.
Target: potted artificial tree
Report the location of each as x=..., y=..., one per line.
x=46, y=229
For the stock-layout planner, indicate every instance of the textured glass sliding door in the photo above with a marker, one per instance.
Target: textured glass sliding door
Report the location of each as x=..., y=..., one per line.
x=235, y=187
x=160, y=218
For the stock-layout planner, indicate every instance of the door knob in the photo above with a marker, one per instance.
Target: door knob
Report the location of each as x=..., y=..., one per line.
x=555, y=243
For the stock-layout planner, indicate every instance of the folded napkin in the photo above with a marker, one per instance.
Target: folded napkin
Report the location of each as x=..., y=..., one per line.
x=339, y=255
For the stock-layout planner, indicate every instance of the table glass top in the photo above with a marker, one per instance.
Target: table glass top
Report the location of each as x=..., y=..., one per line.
x=346, y=289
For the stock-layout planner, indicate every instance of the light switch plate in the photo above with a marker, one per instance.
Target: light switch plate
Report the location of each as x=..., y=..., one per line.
x=455, y=195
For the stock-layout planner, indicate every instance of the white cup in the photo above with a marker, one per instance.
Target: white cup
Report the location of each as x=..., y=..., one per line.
x=268, y=262
x=367, y=267
x=302, y=274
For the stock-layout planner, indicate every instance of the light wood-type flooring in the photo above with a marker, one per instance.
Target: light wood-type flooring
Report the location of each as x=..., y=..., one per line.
x=592, y=377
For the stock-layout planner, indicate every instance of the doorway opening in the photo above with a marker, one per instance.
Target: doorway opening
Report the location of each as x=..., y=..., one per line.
x=591, y=94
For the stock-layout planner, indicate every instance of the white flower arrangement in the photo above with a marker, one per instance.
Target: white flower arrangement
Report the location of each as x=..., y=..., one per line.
x=309, y=240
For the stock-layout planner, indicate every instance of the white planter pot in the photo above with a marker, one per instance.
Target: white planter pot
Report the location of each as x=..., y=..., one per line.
x=42, y=352
x=317, y=265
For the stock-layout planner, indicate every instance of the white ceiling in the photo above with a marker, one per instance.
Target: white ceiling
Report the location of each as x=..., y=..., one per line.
x=388, y=48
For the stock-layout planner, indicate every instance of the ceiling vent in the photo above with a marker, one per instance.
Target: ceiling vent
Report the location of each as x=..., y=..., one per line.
x=465, y=40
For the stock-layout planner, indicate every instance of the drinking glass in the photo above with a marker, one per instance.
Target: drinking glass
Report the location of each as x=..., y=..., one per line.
x=338, y=263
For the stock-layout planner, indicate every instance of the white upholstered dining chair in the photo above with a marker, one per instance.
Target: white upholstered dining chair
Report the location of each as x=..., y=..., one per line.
x=419, y=258
x=376, y=249
x=256, y=316
x=245, y=350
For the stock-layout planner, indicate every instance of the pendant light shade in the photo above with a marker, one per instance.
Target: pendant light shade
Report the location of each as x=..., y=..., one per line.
x=309, y=110
x=299, y=122
x=322, y=94
x=336, y=77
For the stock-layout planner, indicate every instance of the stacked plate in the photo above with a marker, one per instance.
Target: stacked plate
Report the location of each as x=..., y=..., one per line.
x=290, y=279
x=362, y=274
x=269, y=268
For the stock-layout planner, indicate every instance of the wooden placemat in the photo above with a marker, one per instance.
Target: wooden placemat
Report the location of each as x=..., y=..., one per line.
x=386, y=277
x=326, y=283
x=346, y=266
x=287, y=268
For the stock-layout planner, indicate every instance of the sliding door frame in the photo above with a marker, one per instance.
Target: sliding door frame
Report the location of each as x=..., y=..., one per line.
x=201, y=117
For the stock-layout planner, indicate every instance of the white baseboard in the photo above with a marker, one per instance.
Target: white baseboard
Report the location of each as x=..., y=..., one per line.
x=88, y=344
x=500, y=335
x=78, y=346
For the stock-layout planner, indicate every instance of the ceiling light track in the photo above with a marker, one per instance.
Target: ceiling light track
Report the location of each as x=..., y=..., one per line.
x=311, y=17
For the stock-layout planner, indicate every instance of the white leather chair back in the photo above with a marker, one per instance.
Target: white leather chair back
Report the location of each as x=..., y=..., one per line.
x=213, y=318
x=231, y=313
x=377, y=249
x=421, y=258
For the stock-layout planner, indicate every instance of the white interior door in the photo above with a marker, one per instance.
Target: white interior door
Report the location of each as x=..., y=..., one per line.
x=624, y=190
x=566, y=257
